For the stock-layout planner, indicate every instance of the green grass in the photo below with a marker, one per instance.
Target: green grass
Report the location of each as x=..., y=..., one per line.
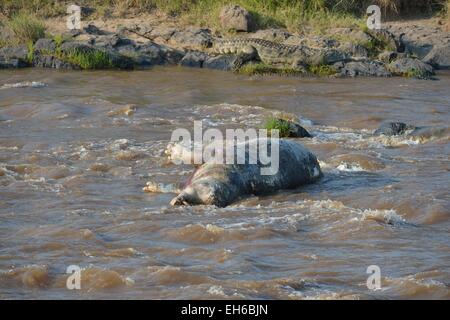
x=87, y=59
x=26, y=28
x=30, y=54
x=322, y=70
x=282, y=126
x=253, y=69
x=296, y=15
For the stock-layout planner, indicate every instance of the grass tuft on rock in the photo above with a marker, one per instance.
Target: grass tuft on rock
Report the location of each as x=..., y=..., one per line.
x=30, y=54
x=88, y=59
x=282, y=126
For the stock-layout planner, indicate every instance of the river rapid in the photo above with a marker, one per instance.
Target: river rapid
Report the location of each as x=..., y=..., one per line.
x=77, y=148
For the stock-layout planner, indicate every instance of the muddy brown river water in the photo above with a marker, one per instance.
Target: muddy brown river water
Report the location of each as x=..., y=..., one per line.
x=74, y=157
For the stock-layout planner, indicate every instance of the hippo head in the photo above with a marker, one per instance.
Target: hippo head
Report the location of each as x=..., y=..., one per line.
x=206, y=191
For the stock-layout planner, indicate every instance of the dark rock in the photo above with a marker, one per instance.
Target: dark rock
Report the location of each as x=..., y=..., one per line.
x=12, y=63
x=439, y=57
x=49, y=61
x=109, y=41
x=19, y=52
x=45, y=45
x=122, y=61
x=92, y=29
x=171, y=56
x=145, y=55
x=194, y=59
x=295, y=129
x=234, y=17
x=192, y=38
x=365, y=69
x=162, y=32
x=76, y=45
x=420, y=50
x=86, y=12
x=393, y=129
x=224, y=62
x=332, y=56
x=411, y=67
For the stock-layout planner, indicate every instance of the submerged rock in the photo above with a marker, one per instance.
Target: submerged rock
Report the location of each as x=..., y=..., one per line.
x=393, y=129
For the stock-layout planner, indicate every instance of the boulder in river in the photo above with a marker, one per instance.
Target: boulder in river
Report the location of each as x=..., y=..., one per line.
x=393, y=129
x=295, y=129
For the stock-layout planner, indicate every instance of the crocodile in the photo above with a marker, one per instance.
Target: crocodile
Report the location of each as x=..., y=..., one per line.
x=271, y=53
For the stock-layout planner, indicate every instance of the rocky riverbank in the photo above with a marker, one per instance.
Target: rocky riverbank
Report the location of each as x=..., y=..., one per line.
x=412, y=49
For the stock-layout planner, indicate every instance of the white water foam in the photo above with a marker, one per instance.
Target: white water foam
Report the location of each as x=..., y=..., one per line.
x=26, y=84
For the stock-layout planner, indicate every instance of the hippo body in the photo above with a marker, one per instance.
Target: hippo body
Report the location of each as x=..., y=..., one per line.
x=223, y=184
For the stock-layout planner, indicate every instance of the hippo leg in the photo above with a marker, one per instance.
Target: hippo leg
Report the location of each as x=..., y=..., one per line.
x=185, y=198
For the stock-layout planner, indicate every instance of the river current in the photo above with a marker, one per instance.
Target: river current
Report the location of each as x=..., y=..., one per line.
x=77, y=148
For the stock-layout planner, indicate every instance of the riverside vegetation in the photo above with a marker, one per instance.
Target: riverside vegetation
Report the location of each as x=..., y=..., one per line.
x=332, y=31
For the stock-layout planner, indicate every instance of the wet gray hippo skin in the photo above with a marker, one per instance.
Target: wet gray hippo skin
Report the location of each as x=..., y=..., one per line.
x=400, y=128
x=222, y=184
